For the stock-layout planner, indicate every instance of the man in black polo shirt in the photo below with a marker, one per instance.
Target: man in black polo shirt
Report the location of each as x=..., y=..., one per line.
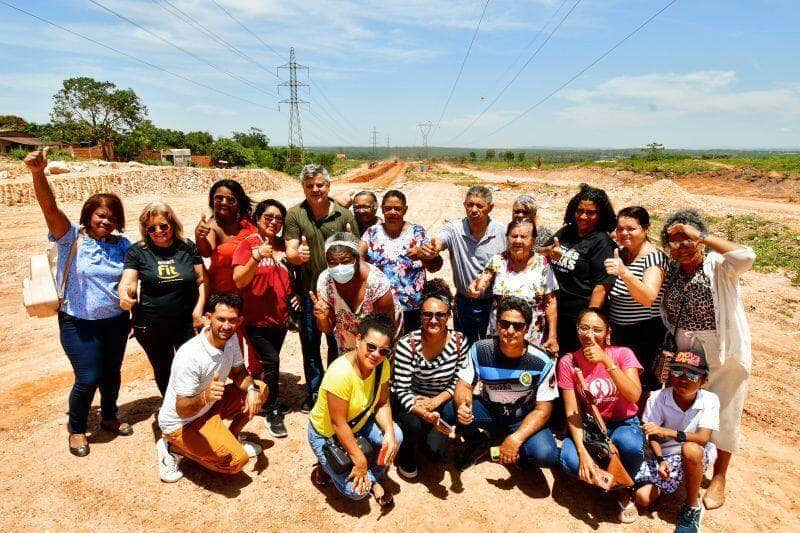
x=308, y=224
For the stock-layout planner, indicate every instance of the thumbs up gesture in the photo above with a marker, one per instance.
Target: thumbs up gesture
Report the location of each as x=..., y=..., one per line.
x=37, y=161
x=322, y=310
x=265, y=250
x=215, y=389
x=553, y=251
x=614, y=265
x=203, y=228
x=303, y=250
x=348, y=228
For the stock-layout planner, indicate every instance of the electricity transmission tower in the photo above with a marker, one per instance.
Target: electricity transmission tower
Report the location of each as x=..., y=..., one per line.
x=374, y=134
x=295, y=130
x=425, y=130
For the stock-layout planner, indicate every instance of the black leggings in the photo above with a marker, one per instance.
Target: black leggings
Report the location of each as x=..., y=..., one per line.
x=160, y=342
x=645, y=339
x=267, y=342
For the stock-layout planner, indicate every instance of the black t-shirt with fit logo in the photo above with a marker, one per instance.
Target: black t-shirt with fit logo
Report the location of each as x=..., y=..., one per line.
x=580, y=268
x=169, y=284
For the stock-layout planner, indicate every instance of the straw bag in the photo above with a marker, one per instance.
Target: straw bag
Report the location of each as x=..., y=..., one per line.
x=40, y=296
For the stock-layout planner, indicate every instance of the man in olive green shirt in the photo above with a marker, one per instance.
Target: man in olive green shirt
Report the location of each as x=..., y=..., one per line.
x=307, y=226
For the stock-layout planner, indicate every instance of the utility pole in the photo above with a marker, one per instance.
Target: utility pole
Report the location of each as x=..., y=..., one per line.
x=387, y=142
x=295, y=130
x=425, y=130
x=374, y=134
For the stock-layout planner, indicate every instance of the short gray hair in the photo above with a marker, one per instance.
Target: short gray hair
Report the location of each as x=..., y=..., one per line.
x=481, y=191
x=528, y=201
x=350, y=244
x=311, y=170
x=683, y=216
x=367, y=193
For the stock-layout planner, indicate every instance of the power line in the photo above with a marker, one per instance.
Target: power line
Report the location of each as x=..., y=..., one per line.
x=583, y=70
x=134, y=58
x=184, y=50
x=461, y=69
x=517, y=75
x=333, y=107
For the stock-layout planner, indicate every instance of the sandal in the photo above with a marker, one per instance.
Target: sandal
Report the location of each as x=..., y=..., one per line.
x=628, y=513
x=81, y=450
x=122, y=429
x=385, y=502
x=320, y=477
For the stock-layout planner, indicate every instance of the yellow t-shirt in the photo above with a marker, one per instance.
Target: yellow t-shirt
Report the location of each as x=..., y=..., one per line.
x=342, y=381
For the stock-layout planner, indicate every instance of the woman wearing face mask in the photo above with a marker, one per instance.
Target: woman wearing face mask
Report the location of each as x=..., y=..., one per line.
x=173, y=292
x=523, y=273
x=349, y=290
x=612, y=376
x=425, y=367
x=634, y=301
x=394, y=246
x=702, y=305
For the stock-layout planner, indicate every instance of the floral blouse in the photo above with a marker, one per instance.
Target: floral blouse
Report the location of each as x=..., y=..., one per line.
x=532, y=285
x=406, y=276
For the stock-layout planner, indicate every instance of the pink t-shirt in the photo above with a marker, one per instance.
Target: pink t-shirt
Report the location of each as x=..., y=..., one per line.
x=612, y=406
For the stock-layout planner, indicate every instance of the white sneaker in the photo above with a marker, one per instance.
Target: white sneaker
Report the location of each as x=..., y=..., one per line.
x=251, y=448
x=168, y=469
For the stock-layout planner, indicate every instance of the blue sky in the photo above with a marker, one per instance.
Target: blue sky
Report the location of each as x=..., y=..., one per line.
x=703, y=74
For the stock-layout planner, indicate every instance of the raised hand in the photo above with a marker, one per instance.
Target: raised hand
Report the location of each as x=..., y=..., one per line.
x=615, y=266
x=428, y=251
x=464, y=414
x=303, y=250
x=348, y=228
x=203, y=228
x=215, y=389
x=553, y=251
x=265, y=250
x=594, y=353
x=687, y=229
x=321, y=308
x=37, y=161
x=475, y=288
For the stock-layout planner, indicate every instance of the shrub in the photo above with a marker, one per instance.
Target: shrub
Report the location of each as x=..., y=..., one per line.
x=19, y=154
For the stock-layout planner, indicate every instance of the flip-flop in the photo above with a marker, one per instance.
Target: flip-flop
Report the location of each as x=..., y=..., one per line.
x=385, y=502
x=625, y=515
x=320, y=477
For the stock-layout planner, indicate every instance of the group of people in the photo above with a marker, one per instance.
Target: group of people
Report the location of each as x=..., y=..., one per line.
x=540, y=321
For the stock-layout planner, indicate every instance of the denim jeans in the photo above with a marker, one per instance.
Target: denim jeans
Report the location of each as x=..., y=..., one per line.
x=267, y=342
x=627, y=436
x=310, y=339
x=95, y=349
x=472, y=317
x=160, y=342
x=373, y=433
x=540, y=449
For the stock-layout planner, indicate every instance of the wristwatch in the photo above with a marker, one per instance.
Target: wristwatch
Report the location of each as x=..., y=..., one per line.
x=681, y=436
x=703, y=235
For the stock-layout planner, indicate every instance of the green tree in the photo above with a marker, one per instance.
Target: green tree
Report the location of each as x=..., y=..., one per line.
x=199, y=142
x=166, y=138
x=225, y=149
x=252, y=138
x=521, y=156
x=96, y=110
x=473, y=156
x=654, y=151
x=490, y=155
x=508, y=156
x=12, y=122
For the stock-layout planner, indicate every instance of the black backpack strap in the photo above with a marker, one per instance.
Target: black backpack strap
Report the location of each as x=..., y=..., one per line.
x=377, y=383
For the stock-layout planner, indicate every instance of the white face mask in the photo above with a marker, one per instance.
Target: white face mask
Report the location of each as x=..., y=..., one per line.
x=342, y=273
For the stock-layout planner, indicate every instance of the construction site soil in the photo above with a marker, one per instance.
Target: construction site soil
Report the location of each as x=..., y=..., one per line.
x=117, y=487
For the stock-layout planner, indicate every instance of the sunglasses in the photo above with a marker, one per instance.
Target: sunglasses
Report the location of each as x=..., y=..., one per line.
x=430, y=315
x=691, y=375
x=383, y=352
x=222, y=199
x=163, y=227
x=508, y=324
x=586, y=329
x=272, y=218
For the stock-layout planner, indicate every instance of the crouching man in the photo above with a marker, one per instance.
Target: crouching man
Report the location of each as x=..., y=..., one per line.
x=198, y=399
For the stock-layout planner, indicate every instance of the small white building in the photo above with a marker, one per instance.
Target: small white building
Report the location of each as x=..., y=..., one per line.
x=179, y=157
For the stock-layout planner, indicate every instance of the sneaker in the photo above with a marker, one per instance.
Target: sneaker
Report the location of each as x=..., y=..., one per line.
x=274, y=423
x=407, y=469
x=307, y=405
x=251, y=448
x=689, y=519
x=168, y=469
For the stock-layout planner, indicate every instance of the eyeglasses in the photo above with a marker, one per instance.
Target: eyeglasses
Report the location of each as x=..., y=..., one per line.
x=383, y=352
x=163, y=227
x=691, y=375
x=222, y=199
x=272, y=218
x=508, y=324
x=583, y=328
x=430, y=315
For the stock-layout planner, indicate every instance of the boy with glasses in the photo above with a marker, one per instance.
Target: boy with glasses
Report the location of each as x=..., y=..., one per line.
x=678, y=422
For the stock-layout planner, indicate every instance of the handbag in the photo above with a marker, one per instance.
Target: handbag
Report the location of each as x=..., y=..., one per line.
x=40, y=296
x=669, y=346
x=611, y=473
x=335, y=454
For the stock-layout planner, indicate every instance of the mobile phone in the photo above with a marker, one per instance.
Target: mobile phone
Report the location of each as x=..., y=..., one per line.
x=443, y=427
x=381, y=457
x=494, y=453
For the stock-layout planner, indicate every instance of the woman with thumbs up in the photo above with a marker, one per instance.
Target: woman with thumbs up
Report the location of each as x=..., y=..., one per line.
x=634, y=301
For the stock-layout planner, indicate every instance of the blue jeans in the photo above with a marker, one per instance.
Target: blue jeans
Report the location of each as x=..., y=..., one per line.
x=627, y=436
x=95, y=349
x=540, y=449
x=374, y=435
x=310, y=339
x=472, y=317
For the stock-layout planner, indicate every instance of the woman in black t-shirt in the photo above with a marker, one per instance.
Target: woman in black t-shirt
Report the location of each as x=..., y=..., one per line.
x=172, y=294
x=577, y=256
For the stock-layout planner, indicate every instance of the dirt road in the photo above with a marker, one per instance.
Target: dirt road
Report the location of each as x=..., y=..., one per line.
x=117, y=487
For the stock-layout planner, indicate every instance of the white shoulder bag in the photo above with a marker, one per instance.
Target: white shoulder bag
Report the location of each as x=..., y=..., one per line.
x=39, y=293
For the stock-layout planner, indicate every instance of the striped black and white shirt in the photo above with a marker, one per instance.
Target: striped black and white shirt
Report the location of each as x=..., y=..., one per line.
x=623, y=309
x=416, y=376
